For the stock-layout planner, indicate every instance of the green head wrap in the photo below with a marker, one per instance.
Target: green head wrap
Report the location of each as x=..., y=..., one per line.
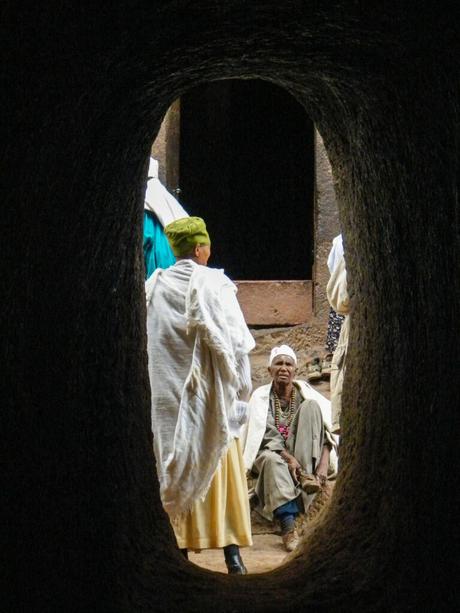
x=184, y=234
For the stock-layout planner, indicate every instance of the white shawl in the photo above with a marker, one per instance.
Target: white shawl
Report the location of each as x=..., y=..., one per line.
x=257, y=421
x=196, y=336
x=335, y=253
x=158, y=200
x=337, y=290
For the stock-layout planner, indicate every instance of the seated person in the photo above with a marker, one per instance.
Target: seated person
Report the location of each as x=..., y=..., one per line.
x=287, y=443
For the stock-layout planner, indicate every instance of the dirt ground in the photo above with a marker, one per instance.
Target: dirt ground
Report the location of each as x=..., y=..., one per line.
x=267, y=551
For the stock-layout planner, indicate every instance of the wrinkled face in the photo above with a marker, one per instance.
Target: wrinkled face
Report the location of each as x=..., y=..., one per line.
x=202, y=254
x=282, y=370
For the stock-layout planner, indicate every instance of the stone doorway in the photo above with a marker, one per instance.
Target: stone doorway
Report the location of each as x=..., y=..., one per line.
x=244, y=155
x=246, y=165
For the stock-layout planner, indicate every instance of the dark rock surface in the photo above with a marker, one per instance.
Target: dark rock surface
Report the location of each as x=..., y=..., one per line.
x=84, y=89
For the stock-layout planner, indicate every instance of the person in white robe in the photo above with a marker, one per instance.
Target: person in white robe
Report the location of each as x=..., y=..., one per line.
x=160, y=209
x=287, y=444
x=337, y=294
x=158, y=200
x=335, y=253
x=198, y=345
x=335, y=319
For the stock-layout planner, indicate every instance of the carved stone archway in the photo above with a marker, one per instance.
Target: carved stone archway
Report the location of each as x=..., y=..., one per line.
x=85, y=92
x=264, y=302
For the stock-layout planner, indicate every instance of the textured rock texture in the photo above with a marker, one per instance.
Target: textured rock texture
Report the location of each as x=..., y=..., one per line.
x=84, y=88
x=327, y=226
x=165, y=149
x=275, y=303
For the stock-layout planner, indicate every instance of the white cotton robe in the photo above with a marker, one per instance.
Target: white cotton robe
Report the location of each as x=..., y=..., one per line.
x=197, y=338
x=159, y=201
x=337, y=294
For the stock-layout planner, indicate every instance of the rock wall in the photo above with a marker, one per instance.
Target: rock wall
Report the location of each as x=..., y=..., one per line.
x=327, y=226
x=85, y=87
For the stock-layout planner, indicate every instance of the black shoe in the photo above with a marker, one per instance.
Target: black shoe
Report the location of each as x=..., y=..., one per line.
x=233, y=560
x=235, y=565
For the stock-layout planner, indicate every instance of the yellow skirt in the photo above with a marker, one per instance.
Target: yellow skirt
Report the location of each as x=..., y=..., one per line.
x=223, y=517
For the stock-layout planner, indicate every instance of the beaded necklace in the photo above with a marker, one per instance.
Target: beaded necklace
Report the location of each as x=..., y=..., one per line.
x=284, y=430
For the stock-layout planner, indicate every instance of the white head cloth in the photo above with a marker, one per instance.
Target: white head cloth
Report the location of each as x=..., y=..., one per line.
x=282, y=350
x=158, y=200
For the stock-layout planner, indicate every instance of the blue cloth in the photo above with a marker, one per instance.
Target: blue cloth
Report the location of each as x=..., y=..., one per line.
x=157, y=252
x=288, y=508
x=286, y=515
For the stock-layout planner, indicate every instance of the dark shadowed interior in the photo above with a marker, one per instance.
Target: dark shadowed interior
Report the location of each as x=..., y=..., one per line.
x=246, y=166
x=84, y=92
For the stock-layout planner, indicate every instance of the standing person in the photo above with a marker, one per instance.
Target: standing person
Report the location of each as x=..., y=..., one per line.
x=287, y=443
x=337, y=294
x=320, y=368
x=160, y=209
x=335, y=319
x=198, y=345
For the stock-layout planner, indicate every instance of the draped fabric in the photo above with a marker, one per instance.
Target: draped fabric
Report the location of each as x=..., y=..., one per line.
x=159, y=201
x=196, y=338
x=337, y=294
x=223, y=517
x=274, y=485
x=335, y=253
x=337, y=291
x=255, y=427
x=157, y=251
x=160, y=208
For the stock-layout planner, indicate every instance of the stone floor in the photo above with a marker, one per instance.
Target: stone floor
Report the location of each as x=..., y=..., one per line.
x=266, y=553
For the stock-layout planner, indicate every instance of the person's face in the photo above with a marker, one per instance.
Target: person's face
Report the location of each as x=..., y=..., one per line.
x=282, y=370
x=202, y=254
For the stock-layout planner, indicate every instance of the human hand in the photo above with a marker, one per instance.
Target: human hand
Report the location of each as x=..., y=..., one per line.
x=321, y=470
x=322, y=478
x=321, y=473
x=294, y=467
